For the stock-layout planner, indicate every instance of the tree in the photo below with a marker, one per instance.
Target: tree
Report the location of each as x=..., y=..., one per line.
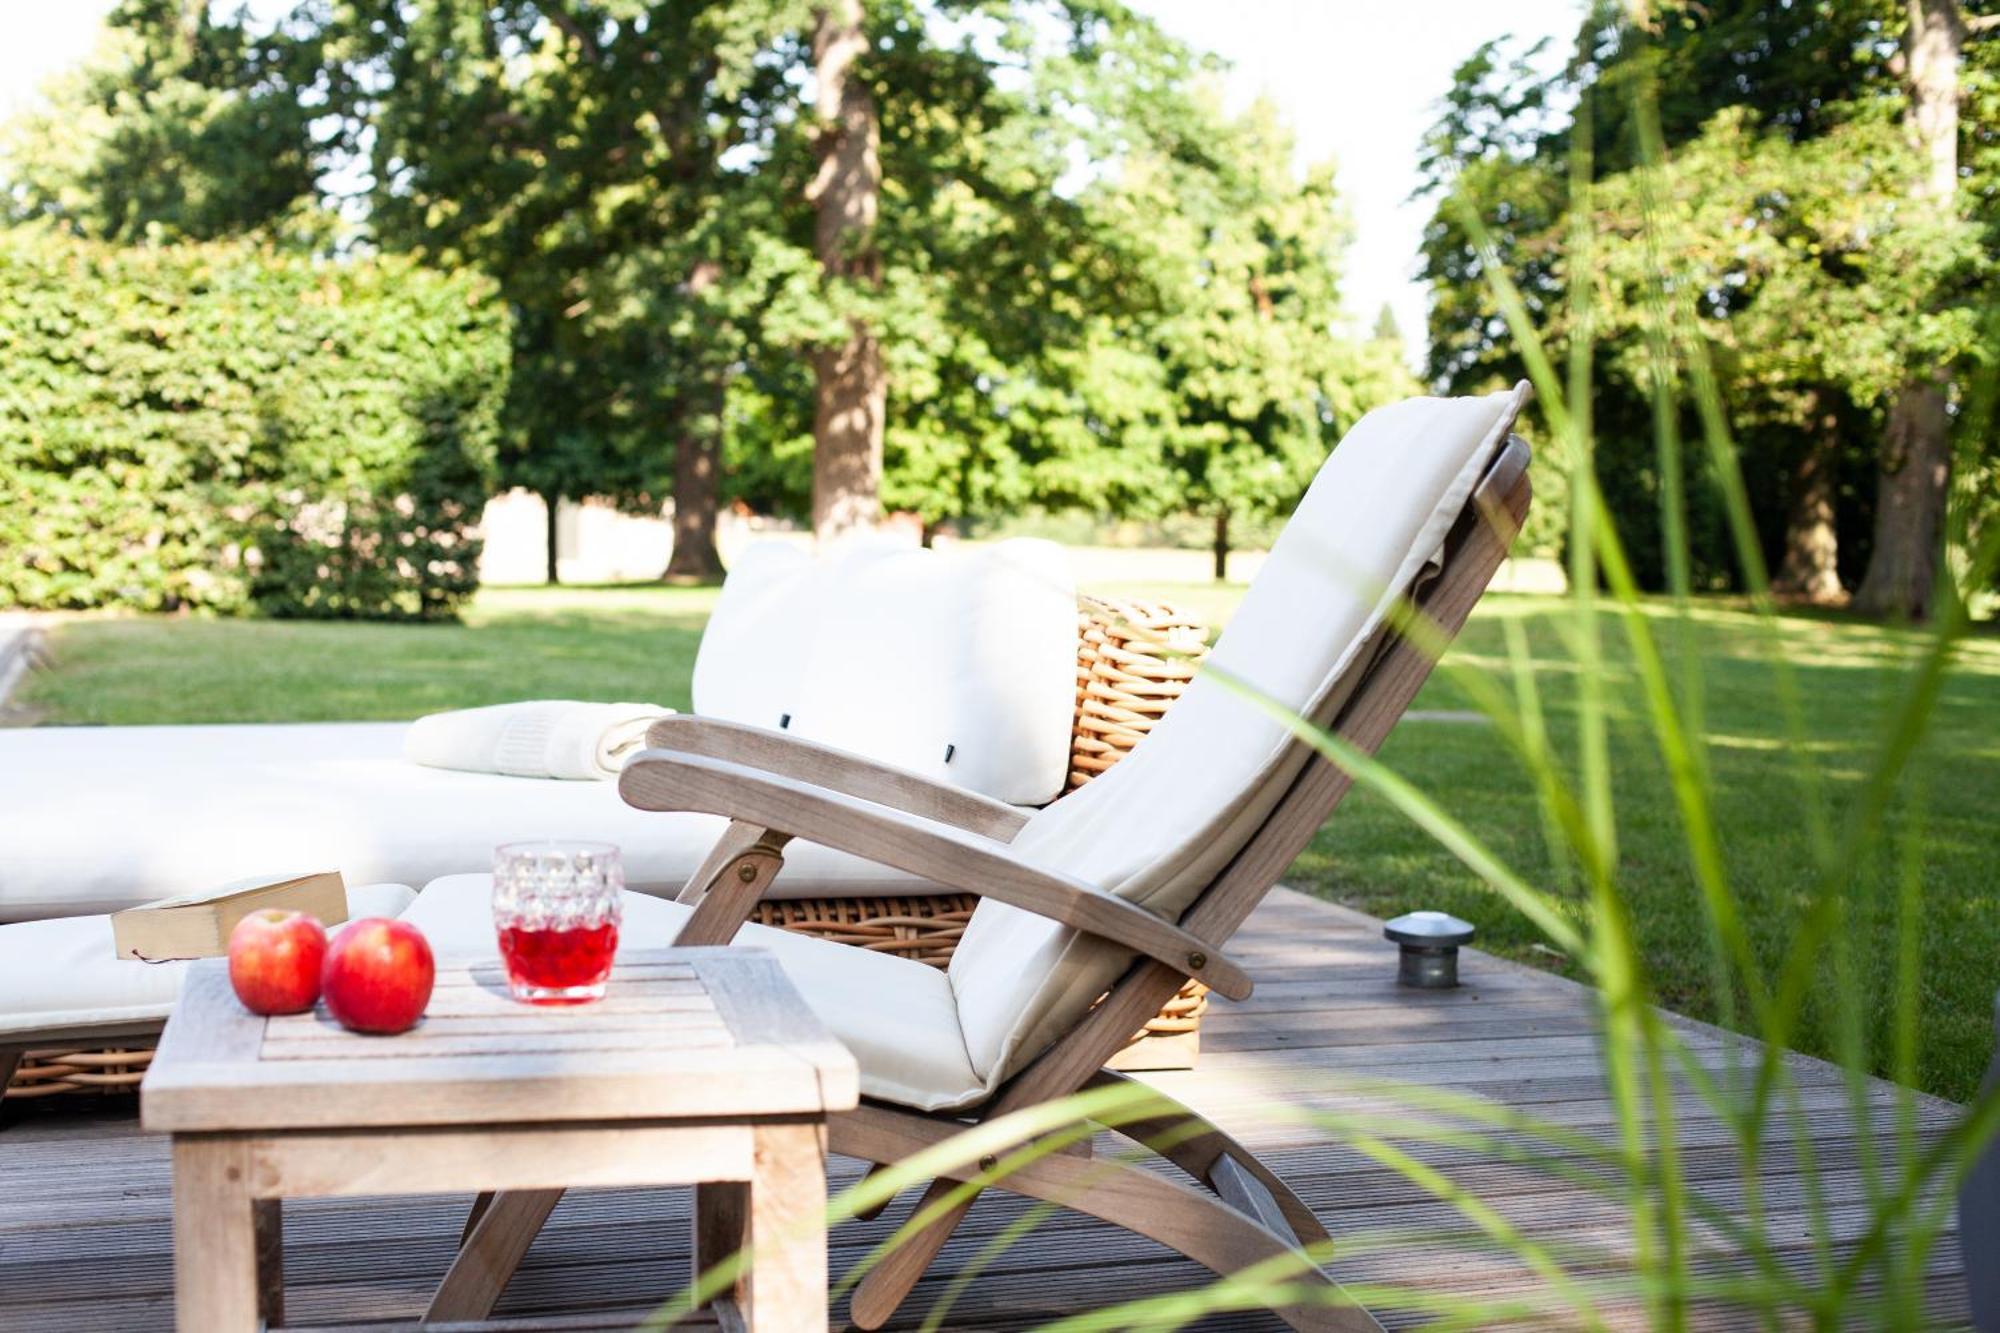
x=1902, y=577
x=1259, y=378
x=183, y=126
x=1387, y=330
x=1021, y=301
x=1493, y=155
x=1786, y=231
x=1011, y=304
x=1815, y=296
x=682, y=208
x=850, y=391
x=573, y=157
x=577, y=154
x=698, y=468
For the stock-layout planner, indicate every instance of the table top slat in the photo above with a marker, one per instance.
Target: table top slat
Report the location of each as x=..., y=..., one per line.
x=682, y=1033
x=324, y=1029
x=497, y=1045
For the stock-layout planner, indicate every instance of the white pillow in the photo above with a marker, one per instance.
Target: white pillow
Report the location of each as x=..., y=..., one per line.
x=957, y=665
x=747, y=667
x=751, y=661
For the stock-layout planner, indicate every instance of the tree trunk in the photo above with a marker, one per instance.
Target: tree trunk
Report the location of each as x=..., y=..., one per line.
x=1916, y=454
x=698, y=470
x=1809, y=570
x=927, y=537
x=1910, y=505
x=851, y=391
x=1221, y=547
x=194, y=13
x=552, y=500
x=697, y=490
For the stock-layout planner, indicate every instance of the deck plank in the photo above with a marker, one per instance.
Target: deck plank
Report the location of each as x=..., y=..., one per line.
x=85, y=1242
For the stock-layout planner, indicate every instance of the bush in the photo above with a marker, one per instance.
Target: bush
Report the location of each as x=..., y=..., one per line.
x=226, y=426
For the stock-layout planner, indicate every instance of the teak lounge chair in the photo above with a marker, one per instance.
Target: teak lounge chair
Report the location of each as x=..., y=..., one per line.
x=1098, y=907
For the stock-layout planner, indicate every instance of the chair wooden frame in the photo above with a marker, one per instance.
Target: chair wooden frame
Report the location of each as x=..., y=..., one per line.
x=774, y=787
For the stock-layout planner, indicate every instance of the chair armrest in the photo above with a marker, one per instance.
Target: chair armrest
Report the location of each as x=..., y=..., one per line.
x=670, y=780
x=836, y=770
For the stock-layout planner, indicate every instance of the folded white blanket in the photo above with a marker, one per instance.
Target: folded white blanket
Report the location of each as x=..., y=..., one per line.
x=545, y=738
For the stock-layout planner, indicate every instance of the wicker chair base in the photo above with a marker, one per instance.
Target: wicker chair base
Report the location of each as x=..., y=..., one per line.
x=97, y=1071
x=924, y=928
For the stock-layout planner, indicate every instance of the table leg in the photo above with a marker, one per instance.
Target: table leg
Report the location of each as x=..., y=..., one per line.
x=10, y=1058
x=788, y=1230
x=268, y=1217
x=215, y=1237
x=722, y=1230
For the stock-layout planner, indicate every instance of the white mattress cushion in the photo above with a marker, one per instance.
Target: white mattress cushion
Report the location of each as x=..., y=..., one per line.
x=958, y=665
x=65, y=973
x=1160, y=825
x=897, y=1016
x=99, y=818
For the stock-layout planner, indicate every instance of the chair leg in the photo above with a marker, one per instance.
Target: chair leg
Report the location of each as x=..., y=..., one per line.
x=490, y=1254
x=1182, y=1217
x=1193, y=1143
x=1199, y=1225
x=871, y=1213
x=480, y=1204
x=1222, y=1233
x=888, y=1284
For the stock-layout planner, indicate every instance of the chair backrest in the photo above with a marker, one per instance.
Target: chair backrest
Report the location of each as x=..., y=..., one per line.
x=959, y=665
x=1163, y=824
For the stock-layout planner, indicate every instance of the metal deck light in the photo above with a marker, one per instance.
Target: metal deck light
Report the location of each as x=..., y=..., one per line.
x=1429, y=942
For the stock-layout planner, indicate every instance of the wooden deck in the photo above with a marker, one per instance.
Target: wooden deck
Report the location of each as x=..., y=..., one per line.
x=84, y=1234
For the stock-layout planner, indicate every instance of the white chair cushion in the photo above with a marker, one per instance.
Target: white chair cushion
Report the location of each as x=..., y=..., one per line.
x=897, y=1016
x=1159, y=826
x=65, y=973
x=99, y=818
x=957, y=665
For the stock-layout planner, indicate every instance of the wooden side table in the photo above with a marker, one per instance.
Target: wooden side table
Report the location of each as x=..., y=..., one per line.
x=701, y=1066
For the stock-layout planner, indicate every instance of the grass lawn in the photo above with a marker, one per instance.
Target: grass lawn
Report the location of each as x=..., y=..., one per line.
x=639, y=643
x=614, y=643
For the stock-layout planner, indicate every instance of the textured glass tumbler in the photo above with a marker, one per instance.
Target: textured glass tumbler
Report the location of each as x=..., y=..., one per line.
x=555, y=906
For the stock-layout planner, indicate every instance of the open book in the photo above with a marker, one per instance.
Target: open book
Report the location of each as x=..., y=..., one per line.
x=198, y=926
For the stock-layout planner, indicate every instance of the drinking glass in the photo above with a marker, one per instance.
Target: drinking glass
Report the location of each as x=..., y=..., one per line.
x=555, y=906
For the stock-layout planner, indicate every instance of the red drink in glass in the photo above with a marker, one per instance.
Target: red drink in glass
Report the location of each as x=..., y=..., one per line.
x=559, y=966
x=555, y=909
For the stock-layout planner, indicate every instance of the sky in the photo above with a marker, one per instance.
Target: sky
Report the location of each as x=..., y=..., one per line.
x=44, y=38
x=1358, y=81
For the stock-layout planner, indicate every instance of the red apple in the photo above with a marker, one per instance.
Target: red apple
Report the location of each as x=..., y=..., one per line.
x=274, y=961
x=378, y=975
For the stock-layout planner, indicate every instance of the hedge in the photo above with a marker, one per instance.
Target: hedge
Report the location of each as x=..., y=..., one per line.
x=229, y=427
